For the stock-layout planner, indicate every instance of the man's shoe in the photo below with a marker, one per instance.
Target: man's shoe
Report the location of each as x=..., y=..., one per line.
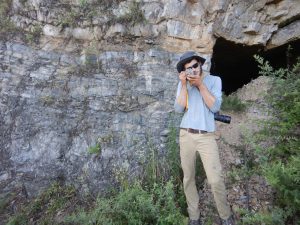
x=229, y=221
x=195, y=222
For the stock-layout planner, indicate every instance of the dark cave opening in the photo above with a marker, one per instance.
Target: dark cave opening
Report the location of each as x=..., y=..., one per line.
x=236, y=66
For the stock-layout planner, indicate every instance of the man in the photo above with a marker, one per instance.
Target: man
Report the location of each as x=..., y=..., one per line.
x=199, y=96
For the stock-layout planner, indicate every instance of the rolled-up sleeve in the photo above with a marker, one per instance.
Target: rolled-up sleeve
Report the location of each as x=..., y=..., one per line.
x=177, y=107
x=216, y=91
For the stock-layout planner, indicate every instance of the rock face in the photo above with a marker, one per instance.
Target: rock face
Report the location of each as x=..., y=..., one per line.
x=54, y=107
x=255, y=23
x=102, y=78
x=171, y=24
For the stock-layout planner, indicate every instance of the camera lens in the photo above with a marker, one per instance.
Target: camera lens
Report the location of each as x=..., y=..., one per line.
x=222, y=118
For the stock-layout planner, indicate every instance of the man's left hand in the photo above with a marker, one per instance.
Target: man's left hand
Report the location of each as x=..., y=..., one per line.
x=195, y=80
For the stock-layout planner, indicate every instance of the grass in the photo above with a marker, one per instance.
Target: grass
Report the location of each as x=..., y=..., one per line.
x=96, y=149
x=134, y=16
x=7, y=27
x=34, y=35
x=45, y=206
x=233, y=103
x=5, y=200
x=135, y=205
x=105, y=4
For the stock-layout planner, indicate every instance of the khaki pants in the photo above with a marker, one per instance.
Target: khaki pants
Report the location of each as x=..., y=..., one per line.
x=207, y=147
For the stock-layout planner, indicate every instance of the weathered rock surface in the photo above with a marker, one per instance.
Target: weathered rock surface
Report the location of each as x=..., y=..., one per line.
x=54, y=106
x=287, y=34
x=255, y=22
x=175, y=25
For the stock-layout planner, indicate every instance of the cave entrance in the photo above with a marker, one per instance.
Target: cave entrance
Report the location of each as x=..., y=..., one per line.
x=236, y=66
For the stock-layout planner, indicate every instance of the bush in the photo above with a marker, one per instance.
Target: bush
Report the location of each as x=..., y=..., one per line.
x=275, y=216
x=232, y=103
x=134, y=206
x=96, y=149
x=281, y=164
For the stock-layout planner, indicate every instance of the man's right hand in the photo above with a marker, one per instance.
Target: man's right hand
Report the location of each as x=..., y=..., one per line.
x=182, y=77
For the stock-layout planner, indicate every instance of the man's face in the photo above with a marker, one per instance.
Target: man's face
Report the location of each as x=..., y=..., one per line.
x=193, y=66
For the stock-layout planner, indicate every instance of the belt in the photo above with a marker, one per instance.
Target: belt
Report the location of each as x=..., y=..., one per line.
x=194, y=131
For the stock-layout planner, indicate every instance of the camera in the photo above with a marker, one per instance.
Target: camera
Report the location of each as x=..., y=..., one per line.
x=189, y=71
x=222, y=118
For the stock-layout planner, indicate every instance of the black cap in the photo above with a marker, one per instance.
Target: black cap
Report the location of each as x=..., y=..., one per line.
x=186, y=57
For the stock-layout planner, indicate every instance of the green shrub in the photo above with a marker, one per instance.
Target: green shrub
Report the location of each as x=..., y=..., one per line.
x=274, y=216
x=96, y=149
x=134, y=206
x=281, y=161
x=34, y=35
x=68, y=20
x=18, y=220
x=166, y=200
x=285, y=178
x=232, y=103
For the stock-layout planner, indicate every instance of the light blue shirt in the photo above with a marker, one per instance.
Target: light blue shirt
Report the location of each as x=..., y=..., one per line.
x=199, y=116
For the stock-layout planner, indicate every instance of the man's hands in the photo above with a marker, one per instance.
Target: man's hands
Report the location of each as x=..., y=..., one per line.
x=195, y=80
